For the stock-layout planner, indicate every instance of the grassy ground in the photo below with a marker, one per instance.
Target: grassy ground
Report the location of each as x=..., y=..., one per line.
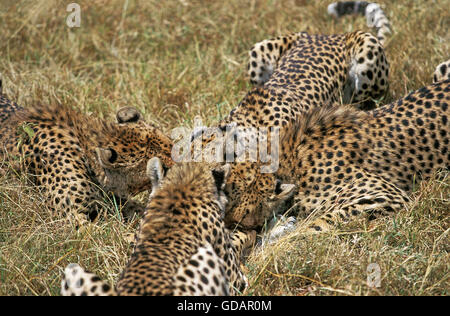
x=178, y=59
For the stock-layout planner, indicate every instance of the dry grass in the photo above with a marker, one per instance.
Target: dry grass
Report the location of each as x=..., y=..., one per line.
x=411, y=249
x=178, y=59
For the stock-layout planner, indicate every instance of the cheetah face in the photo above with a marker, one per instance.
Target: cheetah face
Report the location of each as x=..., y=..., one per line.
x=255, y=197
x=120, y=177
x=124, y=158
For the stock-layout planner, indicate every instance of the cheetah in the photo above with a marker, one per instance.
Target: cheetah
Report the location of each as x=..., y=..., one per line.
x=298, y=72
x=442, y=71
x=292, y=75
x=183, y=247
x=76, y=159
x=317, y=68
x=347, y=163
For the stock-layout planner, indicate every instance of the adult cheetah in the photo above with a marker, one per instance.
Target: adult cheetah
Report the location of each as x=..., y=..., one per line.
x=295, y=74
x=76, y=159
x=348, y=162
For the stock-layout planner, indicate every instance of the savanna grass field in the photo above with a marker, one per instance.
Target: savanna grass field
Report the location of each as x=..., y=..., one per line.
x=177, y=59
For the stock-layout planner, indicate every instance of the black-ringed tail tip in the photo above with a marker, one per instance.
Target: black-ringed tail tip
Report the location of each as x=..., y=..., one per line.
x=442, y=71
x=376, y=18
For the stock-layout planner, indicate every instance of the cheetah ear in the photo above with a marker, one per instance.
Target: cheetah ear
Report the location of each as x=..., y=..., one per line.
x=283, y=191
x=155, y=173
x=220, y=176
x=128, y=114
x=106, y=157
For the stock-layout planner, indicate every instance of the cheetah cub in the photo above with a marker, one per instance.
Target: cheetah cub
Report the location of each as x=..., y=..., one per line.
x=182, y=247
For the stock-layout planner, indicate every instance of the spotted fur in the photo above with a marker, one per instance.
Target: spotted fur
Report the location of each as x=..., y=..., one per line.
x=312, y=70
x=295, y=74
x=345, y=163
x=183, y=247
x=76, y=159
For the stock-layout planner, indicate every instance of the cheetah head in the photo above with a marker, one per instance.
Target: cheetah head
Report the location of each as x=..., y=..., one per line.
x=124, y=157
x=220, y=173
x=254, y=196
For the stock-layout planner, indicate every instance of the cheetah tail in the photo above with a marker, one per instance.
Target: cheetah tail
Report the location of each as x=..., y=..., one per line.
x=442, y=72
x=1, y=84
x=372, y=11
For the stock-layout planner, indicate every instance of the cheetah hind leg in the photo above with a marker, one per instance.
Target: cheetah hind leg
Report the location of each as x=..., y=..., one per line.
x=265, y=55
x=78, y=282
x=367, y=81
x=370, y=195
